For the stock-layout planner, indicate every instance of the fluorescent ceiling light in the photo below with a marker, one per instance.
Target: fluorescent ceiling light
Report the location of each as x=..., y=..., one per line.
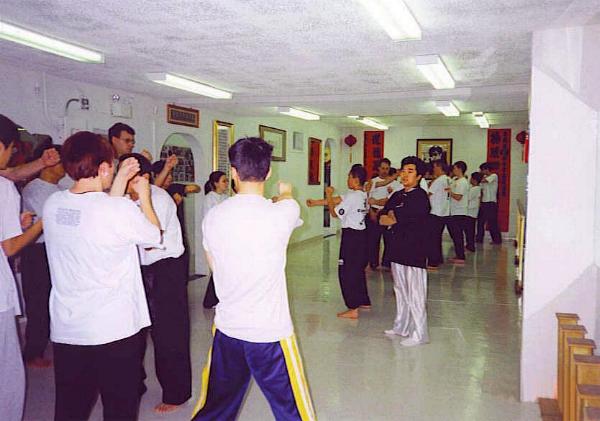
x=298, y=113
x=435, y=71
x=369, y=122
x=482, y=120
x=188, y=85
x=51, y=45
x=447, y=108
x=395, y=18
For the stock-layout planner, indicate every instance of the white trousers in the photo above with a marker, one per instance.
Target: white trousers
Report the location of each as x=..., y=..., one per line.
x=12, y=372
x=410, y=287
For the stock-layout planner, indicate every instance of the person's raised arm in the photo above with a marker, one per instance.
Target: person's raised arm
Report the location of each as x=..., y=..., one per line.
x=192, y=188
x=49, y=158
x=14, y=245
x=142, y=187
x=170, y=163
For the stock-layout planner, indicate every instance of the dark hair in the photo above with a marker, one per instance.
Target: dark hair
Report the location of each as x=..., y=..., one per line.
x=213, y=179
x=417, y=162
x=384, y=161
x=42, y=147
x=392, y=171
x=485, y=166
x=435, y=150
x=358, y=171
x=462, y=165
x=477, y=177
x=8, y=131
x=145, y=165
x=82, y=154
x=116, y=129
x=251, y=158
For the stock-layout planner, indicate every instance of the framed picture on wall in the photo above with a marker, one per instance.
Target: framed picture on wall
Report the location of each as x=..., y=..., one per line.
x=430, y=150
x=298, y=142
x=314, y=161
x=276, y=138
x=222, y=138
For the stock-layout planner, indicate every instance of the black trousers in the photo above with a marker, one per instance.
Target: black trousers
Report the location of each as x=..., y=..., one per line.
x=374, y=233
x=457, y=225
x=81, y=372
x=166, y=290
x=351, y=268
x=488, y=214
x=210, y=296
x=470, y=232
x=36, y=291
x=436, y=225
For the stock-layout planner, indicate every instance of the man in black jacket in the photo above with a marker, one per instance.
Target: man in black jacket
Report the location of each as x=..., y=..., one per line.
x=406, y=214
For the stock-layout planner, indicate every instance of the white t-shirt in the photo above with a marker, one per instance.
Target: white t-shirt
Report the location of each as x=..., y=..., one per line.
x=378, y=193
x=211, y=200
x=490, y=189
x=172, y=244
x=10, y=226
x=352, y=210
x=97, y=293
x=474, y=200
x=459, y=207
x=423, y=184
x=34, y=195
x=246, y=237
x=439, y=198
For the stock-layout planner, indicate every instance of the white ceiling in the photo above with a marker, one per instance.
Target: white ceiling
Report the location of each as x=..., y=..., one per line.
x=327, y=56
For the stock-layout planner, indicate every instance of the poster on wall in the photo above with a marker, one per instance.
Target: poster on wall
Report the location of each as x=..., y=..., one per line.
x=184, y=170
x=430, y=150
x=498, y=155
x=314, y=161
x=222, y=139
x=373, y=151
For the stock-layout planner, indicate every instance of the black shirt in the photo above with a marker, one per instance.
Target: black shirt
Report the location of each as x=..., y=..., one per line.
x=408, y=239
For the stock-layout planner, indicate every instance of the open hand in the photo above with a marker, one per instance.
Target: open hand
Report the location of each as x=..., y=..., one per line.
x=128, y=168
x=171, y=161
x=146, y=154
x=285, y=189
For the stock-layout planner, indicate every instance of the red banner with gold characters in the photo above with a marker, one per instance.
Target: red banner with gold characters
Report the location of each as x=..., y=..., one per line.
x=373, y=151
x=498, y=156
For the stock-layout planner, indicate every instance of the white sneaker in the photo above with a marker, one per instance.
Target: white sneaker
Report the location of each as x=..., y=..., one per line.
x=393, y=332
x=411, y=342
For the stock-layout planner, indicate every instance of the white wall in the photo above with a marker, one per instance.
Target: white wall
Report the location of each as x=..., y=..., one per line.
x=469, y=145
x=560, y=269
x=22, y=99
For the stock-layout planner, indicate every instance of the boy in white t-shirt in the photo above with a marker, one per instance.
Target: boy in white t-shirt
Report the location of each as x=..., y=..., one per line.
x=459, y=201
x=439, y=198
x=12, y=240
x=378, y=190
x=97, y=303
x=245, y=238
x=473, y=210
x=351, y=209
x=488, y=214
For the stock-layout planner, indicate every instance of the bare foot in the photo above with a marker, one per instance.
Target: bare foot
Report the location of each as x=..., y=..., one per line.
x=349, y=314
x=163, y=408
x=39, y=362
x=365, y=307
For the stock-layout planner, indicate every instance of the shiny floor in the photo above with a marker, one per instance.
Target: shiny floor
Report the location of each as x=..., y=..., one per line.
x=469, y=371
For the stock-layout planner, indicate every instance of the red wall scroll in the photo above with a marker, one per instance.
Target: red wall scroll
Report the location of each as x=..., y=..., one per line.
x=498, y=155
x=314, y=161
x=373, y=151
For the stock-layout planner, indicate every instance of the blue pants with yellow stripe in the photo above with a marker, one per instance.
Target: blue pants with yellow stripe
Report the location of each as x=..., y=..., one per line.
x=276, y=367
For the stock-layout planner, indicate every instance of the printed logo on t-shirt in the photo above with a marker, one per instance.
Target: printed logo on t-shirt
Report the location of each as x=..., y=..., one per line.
x=70, y=217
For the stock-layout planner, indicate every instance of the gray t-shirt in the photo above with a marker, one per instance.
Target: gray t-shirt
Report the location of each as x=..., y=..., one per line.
x=34, y=195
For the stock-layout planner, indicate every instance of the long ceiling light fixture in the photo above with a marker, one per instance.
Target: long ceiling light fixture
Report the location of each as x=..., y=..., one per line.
x=38, y=41
x=369, y=122
x=293, y=112
x=447, y=108
x=188, y=85
x=434, y=69
x=482, y=120
x=395, y=18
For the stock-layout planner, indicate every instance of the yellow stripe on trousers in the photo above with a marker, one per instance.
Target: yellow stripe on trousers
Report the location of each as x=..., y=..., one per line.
x=293, y=362
x=205, y=375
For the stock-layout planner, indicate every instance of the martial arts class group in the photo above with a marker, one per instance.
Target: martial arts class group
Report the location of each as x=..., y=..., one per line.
x=103, y=264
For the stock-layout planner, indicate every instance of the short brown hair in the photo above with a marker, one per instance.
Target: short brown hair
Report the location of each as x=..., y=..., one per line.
x=82, y=154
